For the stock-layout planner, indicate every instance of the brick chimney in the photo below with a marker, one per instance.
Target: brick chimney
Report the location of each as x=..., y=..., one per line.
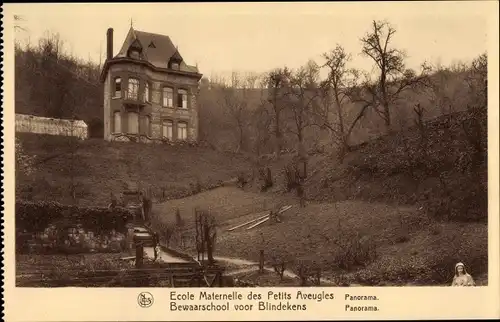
x=109, y=40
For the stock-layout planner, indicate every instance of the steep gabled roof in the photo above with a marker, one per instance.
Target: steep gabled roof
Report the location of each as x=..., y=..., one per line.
x=176, y=56
x=157, y=54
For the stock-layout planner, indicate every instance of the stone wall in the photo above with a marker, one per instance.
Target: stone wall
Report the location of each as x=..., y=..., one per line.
x=51, y=126
x=49, y=227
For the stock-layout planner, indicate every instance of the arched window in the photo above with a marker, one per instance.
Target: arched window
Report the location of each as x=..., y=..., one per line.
x=117, y=91
x=167, y=129
x=133, y=123
x=182, y=130
x=117, y=122
x=133, y=88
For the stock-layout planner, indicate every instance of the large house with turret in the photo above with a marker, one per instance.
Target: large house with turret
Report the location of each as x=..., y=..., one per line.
x=150, y=93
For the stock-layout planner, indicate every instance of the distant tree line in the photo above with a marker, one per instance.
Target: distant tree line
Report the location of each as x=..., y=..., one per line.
x=280, y=110
x=51, y=82
x=295, y=109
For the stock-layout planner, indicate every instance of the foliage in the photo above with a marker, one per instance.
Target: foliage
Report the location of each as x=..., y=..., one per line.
x=266, y=178
x=293, y=177
x=242, y=180
x=36, y=216
x=24, y=162
x=307, y=269
x=353, y=250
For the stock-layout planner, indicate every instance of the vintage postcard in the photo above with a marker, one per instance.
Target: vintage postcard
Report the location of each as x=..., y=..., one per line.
x=250, y=161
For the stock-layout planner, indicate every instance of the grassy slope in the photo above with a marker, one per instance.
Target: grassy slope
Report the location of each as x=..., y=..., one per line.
x=228, y=202
x=101, y=167
x=378, y=169
x=372, y=193
x=424, y=256
x=410, y=245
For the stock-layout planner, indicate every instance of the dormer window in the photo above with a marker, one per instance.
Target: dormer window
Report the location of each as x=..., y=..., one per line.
x=175, y=61
x=134, y=53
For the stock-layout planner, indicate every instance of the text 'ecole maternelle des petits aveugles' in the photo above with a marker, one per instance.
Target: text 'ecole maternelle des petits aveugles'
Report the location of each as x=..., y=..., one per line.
x=256, y=300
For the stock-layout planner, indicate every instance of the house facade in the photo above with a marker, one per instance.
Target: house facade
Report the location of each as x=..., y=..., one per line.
x=150, y=93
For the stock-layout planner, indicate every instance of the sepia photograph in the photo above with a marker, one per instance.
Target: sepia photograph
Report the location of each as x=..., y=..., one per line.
x=169, y=148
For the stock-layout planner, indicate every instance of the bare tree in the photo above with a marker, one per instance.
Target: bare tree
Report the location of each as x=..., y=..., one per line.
x=477, y=80
x=279, y=265
x=338, y=87
x=440, y=97
x=475, y=127
x=302, y=95
x=394, y=77
x=251, y=80
x=206, y=234
x=261, y=121
x=276, y=81
x=234, y=100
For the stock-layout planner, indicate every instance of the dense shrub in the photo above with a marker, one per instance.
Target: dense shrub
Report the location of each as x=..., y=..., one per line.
x=441, y=165
x=36, y=216
x=266, y=178
x=353, y=250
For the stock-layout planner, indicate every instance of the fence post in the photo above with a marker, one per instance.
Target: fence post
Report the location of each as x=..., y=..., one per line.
x=261, y=262
x=220, y=278
x=139, y=255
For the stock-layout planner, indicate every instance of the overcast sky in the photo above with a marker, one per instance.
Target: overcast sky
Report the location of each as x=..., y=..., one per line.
x=259, y=37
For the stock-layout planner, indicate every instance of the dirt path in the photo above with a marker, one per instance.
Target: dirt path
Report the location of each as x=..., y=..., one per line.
x=255, y=267
x=163, y=256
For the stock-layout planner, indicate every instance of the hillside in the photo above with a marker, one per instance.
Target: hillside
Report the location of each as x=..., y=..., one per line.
x=50, y=82
x=399, y=210
x=444, y=164
x=351, y=241
x=393, y=169
x=99, y=168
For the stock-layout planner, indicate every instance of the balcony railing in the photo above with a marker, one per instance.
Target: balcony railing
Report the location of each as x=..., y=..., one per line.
x=135, y=98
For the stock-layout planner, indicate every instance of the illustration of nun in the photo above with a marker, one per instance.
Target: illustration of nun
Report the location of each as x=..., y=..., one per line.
x=462, y=278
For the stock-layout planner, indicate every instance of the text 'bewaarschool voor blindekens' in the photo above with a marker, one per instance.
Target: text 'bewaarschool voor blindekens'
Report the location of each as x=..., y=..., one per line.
x=189, y=301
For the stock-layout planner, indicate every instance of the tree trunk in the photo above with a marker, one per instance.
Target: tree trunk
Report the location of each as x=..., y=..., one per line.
x=387, y=117
x=240, y=144
x=277, y=129
x=302, y=155
x=339, y=113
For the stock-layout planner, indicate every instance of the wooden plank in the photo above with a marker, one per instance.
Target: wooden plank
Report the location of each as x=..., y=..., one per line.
x=258, y=223
x=249, y=222
x=128, y=258
x=284, y=209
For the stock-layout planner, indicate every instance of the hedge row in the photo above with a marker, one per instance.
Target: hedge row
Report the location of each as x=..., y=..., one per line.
x=35, y=216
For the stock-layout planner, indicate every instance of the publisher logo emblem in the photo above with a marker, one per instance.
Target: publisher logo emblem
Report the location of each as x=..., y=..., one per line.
x=145, y=299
